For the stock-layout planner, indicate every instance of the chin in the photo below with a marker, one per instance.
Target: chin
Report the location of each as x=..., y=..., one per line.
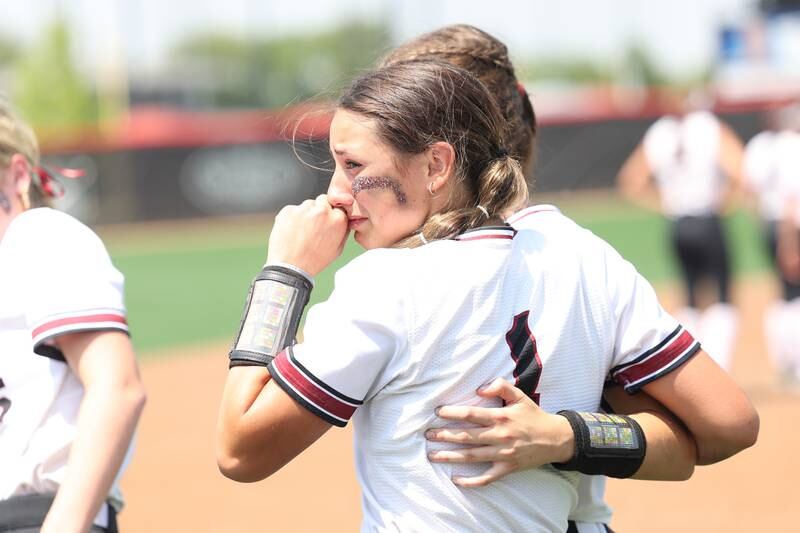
x=368, y=242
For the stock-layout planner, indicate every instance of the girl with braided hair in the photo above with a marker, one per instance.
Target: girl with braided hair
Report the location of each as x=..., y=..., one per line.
x=487, y=58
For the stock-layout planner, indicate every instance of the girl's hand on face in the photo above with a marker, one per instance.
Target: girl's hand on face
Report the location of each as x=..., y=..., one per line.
x=309, y=236
x=515, y=437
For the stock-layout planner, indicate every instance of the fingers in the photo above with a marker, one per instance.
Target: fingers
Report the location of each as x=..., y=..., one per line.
x=482, y=416
x=477, y=454
x=502, y=389
x=460, y=435
x=497, y=471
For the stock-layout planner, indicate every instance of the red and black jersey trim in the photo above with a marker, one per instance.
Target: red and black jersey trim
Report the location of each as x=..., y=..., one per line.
x=677, y=348
x=505, y=232
x=310, y=392
x=89, y=320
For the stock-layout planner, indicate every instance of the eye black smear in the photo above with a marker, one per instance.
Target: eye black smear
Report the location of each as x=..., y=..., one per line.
x=363, y=183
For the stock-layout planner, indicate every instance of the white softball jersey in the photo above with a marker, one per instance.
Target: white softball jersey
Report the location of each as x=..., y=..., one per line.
x=591, y=507
x=787, y=186
x=772, y=166
x=760, y=169
x=683, y=155
x=55, y=278
x=554, y=309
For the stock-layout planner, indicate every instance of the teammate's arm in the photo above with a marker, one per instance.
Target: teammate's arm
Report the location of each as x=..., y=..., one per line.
x=521, y=435
x=671, y=449
x=717, y=413
x=105, y=364
x=634, y=181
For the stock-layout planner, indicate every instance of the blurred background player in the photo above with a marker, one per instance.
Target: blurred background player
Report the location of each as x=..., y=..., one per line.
x=688, y=166
x=771, y=171
x=70, y=392
x=788, y=257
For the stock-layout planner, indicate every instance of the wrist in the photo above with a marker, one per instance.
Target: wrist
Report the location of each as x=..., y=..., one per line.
x=565, y=441
x=293, y=268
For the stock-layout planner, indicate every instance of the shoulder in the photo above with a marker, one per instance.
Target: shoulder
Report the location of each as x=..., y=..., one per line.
x=50, y=227
x=703, y=119
x=45, y=238
x=665, y=125
x=375, y=272
x=535, y=215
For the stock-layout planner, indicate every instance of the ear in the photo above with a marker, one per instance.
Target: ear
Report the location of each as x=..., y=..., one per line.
x=20, y=174
x=441, y=164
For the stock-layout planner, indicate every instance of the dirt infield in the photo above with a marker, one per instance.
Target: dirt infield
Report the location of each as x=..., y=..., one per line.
x=173, y=483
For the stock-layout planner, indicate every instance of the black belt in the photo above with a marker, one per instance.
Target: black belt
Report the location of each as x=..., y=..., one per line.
x=30, y=510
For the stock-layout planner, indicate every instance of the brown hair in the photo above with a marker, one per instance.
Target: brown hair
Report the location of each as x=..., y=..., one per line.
x=16, y=137
x=418, y=103
x=487, y=58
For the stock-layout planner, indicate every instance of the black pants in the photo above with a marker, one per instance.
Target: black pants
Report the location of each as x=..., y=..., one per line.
x=702, y=253
x=572, y=527
x=26, y=514
x=791, y=290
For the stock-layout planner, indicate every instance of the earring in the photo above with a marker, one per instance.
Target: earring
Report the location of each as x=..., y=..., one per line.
x=25, y=199
x=430, y=189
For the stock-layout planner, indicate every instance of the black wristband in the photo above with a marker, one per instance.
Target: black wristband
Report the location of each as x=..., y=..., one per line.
x=605, y=444
x=275, y=304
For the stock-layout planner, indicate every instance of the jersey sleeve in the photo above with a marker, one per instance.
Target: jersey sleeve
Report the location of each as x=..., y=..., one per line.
x=349, y=341
x=74, y=286
x=649, y=342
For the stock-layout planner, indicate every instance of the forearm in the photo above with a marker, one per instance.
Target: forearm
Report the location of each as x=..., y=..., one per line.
x=260, y=427
x=647, y=198
x=671, y=453
x=236, y=430
x=716, y=412
x=106, y=424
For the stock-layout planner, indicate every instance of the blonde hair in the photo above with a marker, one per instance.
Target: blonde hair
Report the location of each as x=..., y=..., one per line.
x=16, y=137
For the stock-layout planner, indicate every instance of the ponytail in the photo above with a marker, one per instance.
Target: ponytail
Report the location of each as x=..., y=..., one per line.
x=501, y=188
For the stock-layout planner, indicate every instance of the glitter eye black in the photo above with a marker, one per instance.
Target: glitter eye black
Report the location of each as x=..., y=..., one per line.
x=363, y=183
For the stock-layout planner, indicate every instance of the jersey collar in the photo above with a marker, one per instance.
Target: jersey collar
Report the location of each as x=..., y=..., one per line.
x=532, y=210
x=488, y=232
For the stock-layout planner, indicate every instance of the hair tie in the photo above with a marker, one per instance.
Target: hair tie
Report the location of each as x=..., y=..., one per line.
x=422, y=238
x=48, y=184
x=501, y=153
x=483, y=209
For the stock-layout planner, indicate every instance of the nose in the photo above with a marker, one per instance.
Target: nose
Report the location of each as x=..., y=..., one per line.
x=340, y=192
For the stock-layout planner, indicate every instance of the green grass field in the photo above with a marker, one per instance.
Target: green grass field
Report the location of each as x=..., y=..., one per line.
x=189, y=289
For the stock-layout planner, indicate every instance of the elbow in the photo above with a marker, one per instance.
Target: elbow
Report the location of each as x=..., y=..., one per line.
x=744, y=433
x=747, y=433
x=138, y=399
x=241, y=469
x=685, y=470
x=731, y=438
x=232, y=468
x=135, y=398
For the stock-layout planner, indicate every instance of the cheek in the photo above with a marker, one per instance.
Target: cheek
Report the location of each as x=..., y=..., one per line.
x=392, y=223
